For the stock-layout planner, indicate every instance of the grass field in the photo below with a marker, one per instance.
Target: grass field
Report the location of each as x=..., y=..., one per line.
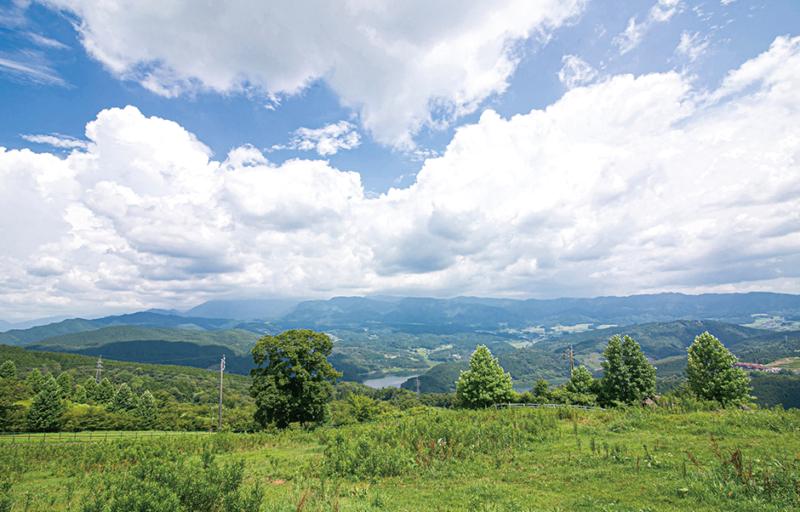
x=506, y=460
x=88, y=437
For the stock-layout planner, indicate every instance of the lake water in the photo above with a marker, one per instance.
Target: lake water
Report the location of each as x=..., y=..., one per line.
x=391, y=380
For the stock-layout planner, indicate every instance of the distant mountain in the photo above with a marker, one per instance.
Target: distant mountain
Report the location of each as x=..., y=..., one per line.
x=34, y=334
x=241, y=309
x=149, y=319
x=7, y=326
x=200, y=349
x=468, y=314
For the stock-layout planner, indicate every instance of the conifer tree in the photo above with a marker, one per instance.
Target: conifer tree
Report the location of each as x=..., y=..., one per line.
x=46, y=408
x=79, y=397
x=485, y=383
x=629, y=376
x=34, y=380
x=581, y=381
x=64, y=382
x=123, y=399
x=104, y=392
x=710, y=372
x=147, y=410
x=91, y=388
x=8, y=370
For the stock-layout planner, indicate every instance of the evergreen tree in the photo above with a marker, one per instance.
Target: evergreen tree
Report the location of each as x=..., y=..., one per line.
x=147, y=410
x=34, y=380
x=91, y=388
x=8, y=370
x=123, y=399
x=485, y=383
x=629, y=376
x=64, y=382
x=711, y=374
x=104, y=392
x=541, y=389
x=79, y=397
x=581, y=381
x=46, y=408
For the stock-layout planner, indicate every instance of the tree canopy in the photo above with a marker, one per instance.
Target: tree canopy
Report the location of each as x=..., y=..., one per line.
x=629, y=376
x=485, y=383
x=292, y=381
x=46, y=407
x=711, y=374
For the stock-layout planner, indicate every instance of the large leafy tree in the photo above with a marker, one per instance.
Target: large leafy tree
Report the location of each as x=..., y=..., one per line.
x=581, y=381
x=485, y=383
x=629, y=376
x=292, y=380
x=711, y=374
x=46, y=408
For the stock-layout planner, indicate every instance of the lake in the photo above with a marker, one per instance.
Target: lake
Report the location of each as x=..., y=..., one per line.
x=388, y=381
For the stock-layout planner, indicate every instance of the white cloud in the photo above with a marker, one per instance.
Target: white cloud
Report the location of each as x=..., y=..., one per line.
x=327, y=140
x=576, y=71
x=628, y=185
x=692, y=45
x=56, y=140
x=29, y=67
x=633, y=34
x=394, y=62
x=726, y=2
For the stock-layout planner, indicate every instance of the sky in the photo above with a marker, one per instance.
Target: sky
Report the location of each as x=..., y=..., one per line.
x=161, y=153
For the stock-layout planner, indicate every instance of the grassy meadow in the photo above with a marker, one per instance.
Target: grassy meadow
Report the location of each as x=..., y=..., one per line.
x=494, y=460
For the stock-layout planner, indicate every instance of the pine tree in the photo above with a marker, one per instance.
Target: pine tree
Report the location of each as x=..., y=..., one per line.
x=123, y=399
x=46, y=408
x=104, y=392
x=79, y=397
x=8, y=370
x=629, y=376
x=64, y=382
x=581, y=381
x=91, y=388
x=34, y=380
x=485, y=383
x=711, y=374
x=147, y=410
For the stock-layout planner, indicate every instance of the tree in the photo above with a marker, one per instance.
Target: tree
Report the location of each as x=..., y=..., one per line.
x=485, y=383
x=34, y=380
x=541, y=389
x=64, y=382
x=362, y=408
x=123, y=400
x=581, y=381
x=79, y=397
x=46, y=408
x=292, y=380
x=91, y=388
x=8, y=370
x=628, y=376
x=104, y=392
x=711, y=374
x=147, y=409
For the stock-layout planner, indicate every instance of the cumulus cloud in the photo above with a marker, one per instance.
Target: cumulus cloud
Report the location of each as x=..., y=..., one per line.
x=576, y=71
x=633, y=34
x=394, y=62
x=629, y=185
x=327, y=140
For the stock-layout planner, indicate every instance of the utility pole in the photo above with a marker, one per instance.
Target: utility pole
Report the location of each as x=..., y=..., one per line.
x=417, y=379
x=99, y=369
x=221, y=369
x=569, y=353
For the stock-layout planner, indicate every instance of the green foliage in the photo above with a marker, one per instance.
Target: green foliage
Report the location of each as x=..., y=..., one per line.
x=541, y=388
x=46, y=408
x=8, y=370
x=34, y=380
x=64, y=382
x=628, y=376
x=91, y=388
x=12, y=414
x=485, y=383
x=104, y=392
x=147, y=410
x=711, y=374
x=581, y=381
x=80, y=396
x=124, y=399
x=362, y=408
x=292, y=381
x=771, y=389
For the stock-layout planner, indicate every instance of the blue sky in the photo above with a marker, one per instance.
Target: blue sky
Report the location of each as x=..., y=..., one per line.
x=157, y=154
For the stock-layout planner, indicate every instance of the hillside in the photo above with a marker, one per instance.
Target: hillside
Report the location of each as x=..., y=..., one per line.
x=34, y=334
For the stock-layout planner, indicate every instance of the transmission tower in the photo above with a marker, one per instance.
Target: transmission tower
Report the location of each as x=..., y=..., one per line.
x=221, y=369
x=99, y=369
x=569, y=354
x=417, y=379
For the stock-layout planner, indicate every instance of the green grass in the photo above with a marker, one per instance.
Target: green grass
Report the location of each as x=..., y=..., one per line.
x=507, y=460
x=88, y=437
